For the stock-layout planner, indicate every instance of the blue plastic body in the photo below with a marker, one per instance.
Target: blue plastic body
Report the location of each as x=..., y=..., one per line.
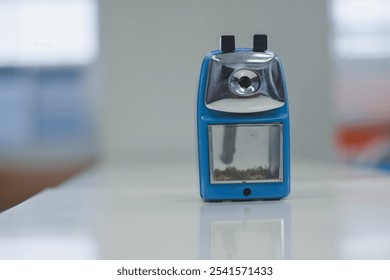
x=206, y=117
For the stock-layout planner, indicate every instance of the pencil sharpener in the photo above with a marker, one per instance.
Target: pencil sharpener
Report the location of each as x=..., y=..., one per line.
x=243, y=124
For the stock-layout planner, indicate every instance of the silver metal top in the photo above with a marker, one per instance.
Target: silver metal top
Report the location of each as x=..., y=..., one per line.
x=244, y=82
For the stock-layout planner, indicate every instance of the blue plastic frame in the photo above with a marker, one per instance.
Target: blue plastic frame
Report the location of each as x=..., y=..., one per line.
x=205, y=117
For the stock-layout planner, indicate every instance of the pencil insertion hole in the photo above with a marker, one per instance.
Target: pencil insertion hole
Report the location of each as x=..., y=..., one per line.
x=245, y=82
x=247, y=192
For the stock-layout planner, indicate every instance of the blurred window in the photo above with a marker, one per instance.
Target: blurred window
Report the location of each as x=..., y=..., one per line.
x=47, y=52
x=360, y=42
x=47, y=32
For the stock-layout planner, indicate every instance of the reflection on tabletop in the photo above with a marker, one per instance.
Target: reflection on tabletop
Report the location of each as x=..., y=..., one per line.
x=245, y=230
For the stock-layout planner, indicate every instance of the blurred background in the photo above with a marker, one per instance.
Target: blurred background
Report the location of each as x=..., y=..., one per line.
x=83, y=81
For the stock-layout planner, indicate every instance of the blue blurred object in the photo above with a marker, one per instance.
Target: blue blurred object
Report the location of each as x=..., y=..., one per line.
x=43, y=106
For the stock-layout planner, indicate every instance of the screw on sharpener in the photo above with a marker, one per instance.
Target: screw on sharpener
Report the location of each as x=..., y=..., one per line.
x=247, y=192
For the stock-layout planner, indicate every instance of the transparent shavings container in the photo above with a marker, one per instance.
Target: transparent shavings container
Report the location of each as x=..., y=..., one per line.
x=246, y=153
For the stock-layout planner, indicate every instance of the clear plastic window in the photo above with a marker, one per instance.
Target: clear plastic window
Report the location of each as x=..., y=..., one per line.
x=245, y=153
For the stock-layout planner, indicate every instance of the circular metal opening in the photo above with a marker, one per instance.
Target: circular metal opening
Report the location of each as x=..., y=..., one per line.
x=244, y=82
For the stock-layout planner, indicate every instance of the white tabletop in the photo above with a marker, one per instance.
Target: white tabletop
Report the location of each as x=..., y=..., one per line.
x=153, y=211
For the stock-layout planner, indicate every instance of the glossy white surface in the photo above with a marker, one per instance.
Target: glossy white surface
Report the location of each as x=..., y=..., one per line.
x=138, y=211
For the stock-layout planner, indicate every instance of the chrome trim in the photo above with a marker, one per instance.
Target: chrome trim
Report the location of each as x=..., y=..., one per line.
x=238, y=57
x=258, y=103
